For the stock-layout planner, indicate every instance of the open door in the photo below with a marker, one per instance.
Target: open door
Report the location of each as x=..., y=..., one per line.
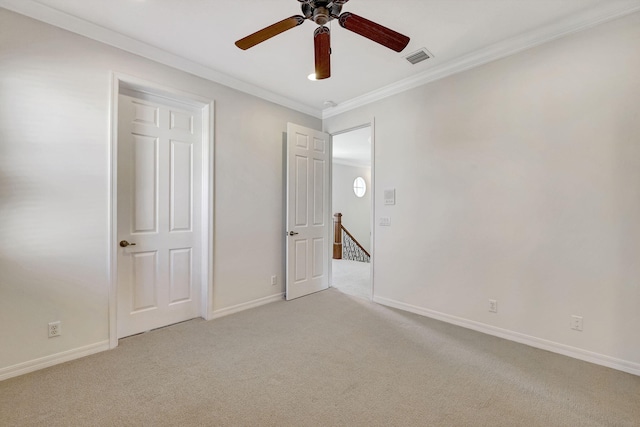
x=308, y=219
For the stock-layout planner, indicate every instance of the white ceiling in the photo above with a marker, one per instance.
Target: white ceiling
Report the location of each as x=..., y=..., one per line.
x=198, y=36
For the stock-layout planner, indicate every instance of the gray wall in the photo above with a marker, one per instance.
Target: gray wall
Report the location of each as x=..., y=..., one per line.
x=518, y=181
x=55, y=91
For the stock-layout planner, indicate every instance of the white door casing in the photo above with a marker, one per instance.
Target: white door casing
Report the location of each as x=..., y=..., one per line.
x=308, y=219
x=159, y=279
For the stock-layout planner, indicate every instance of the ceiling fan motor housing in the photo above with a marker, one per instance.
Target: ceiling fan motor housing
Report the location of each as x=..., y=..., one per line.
x=321, y=11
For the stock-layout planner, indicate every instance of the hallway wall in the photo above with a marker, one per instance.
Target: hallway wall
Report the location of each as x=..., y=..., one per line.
x=356, y=211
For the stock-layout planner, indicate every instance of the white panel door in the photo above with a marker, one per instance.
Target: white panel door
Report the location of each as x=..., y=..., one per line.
x=159, y=208
x=308, y=207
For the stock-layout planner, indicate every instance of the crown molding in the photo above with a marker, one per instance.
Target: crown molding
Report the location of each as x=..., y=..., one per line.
x=556, y=30
x=49, y=15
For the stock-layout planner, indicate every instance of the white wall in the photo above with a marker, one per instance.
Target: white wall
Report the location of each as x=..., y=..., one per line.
x=54, y=188
x=356, y=211
x=519, y=181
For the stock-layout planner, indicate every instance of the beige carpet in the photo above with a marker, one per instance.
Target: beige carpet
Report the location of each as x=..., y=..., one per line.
x=328, y=359
x=351, y=277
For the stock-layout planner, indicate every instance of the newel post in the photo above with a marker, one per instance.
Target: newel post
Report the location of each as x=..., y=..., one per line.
x=337, y=236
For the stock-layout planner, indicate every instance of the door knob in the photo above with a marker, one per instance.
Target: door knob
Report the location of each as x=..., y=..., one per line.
x=124, y=243
x=292, y=233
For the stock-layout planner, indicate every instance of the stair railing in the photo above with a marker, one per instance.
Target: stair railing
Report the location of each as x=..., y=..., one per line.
x=345, y=246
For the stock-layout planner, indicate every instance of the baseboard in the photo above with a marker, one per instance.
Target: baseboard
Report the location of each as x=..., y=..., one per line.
x=576, y=353
x=246, y=306
x=54, y=359
x=66, y=356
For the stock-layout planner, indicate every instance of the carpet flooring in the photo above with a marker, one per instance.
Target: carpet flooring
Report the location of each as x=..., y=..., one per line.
x=328, y=359
x=351, y=277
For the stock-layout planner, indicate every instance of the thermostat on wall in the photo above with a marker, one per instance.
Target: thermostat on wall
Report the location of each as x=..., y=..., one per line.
x=390, y=197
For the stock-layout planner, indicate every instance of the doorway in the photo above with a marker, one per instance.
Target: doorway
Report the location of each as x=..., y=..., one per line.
x=352, y=204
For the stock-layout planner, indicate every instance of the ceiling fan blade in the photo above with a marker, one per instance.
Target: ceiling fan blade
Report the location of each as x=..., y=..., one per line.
x=376, y=32
x=270, y=31
x=322, y=43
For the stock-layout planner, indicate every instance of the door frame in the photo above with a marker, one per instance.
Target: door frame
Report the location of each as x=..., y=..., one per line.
x=372, y=125
x=119, y=82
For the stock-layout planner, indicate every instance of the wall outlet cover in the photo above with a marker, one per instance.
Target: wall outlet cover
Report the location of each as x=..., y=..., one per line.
x=576, y=323
x=55, y=329
x=493, y=306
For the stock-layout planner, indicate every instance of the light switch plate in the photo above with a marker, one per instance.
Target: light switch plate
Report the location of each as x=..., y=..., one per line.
x=390, y=196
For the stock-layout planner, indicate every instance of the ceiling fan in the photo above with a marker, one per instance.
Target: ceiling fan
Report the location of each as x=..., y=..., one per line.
x=321, y=12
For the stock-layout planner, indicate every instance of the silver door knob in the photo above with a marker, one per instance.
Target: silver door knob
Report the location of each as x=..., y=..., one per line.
x=124, y=243
x=292, y=233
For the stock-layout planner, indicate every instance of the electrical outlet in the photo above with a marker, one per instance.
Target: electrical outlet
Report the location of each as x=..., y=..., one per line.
x=55, y=329
x=493, y=306
x=385, y=222
x=576, y=323
x=274, y=280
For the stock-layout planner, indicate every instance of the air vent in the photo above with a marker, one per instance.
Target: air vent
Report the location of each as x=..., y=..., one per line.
x=419, y=56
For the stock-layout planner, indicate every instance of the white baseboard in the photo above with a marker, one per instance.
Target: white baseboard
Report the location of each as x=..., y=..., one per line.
x=574, y=352
x=54, y=359
x=66, y=356
x=246, y=306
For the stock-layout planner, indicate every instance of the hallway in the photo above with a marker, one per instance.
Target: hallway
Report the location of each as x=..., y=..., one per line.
x=352, y=277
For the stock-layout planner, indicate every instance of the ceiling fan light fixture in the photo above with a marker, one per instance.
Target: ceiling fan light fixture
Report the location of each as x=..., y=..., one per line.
x=312, y=77
x=321, y=15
